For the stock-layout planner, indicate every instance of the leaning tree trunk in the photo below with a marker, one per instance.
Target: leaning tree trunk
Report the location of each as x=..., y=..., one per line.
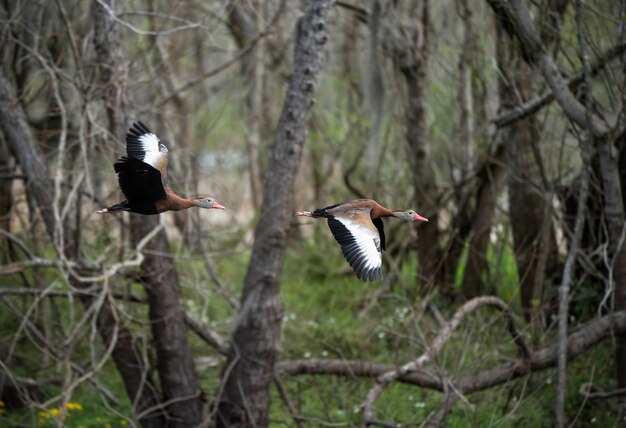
x=248, y=372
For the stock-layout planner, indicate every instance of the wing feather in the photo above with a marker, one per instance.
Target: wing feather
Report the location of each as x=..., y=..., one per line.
x=144, y=145
x=139, y=180
x=360, y=244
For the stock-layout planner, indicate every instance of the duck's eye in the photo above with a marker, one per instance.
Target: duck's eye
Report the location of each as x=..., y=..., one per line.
x=209, y=200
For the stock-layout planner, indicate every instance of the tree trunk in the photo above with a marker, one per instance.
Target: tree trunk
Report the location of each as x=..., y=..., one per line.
x=516, y=12
x=179, y=384
x=248, y=372
x=411, y=59
x=491, y=180
x=245, y=19
x=6, y=199
x=527, y=203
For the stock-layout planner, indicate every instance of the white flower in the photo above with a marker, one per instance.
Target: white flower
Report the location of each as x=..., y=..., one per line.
x=307, y=354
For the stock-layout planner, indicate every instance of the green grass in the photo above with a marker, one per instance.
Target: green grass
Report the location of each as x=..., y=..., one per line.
x=325, y=319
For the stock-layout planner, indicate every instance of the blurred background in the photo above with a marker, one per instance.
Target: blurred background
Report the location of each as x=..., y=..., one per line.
x=444, y=107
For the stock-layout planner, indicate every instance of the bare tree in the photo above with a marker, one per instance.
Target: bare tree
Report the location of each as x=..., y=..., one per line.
x=529, y=199
x=125, y=354
x=180, y=391
x=491, y=179
x=254, y=348
x=525, y=31
x=407, y=42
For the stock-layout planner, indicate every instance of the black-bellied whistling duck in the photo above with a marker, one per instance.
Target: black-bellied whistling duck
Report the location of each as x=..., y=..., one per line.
x=143, y=178
x=358, y=227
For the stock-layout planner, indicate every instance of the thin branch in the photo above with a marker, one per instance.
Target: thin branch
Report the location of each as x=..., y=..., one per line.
x=37, y=292
x=209, y=336
x=535, y=104
x=433, y=350
x=282, y=391
x=212, y=72
x=116, y=18
x=449, y=400
x=222, y=289
x=36, y=262
x=583, y=339
x=585, y=153
x=361, y=13
x=592, y=392
x=516, y=11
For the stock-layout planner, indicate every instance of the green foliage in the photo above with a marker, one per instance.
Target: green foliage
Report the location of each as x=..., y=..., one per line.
x=326, y=317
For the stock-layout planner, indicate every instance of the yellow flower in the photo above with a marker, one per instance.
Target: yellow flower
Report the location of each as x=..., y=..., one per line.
x=43, y=414
x=1, y=403
x=55, y=412
x=107, y=426
x=123, y=422
x=74, y=406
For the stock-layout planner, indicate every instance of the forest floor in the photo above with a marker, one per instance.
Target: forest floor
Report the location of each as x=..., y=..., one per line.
x=328, y=315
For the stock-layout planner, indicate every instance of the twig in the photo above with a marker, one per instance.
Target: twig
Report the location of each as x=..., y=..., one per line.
x=449, y=400
x=56, y=353
x=36, y=262
x=524, y=29
x=164, y=404
x=113, y=269
x=586, y=391
x=585, y=153
x=210, y=337
x=584, y=338
x=111, y=12
x=359, y=12
x=444, y=334
x=38, y=292
x=212, y=72
x=282, y=391
x=533, y=105
x=222, y=289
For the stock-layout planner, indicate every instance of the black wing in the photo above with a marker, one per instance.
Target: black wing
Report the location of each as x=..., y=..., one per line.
x=359, y=247
x=138, y=180
x=378, y=222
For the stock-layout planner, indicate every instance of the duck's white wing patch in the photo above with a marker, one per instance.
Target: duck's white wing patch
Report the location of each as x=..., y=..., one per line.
x=144, y=145
x=360, y=244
